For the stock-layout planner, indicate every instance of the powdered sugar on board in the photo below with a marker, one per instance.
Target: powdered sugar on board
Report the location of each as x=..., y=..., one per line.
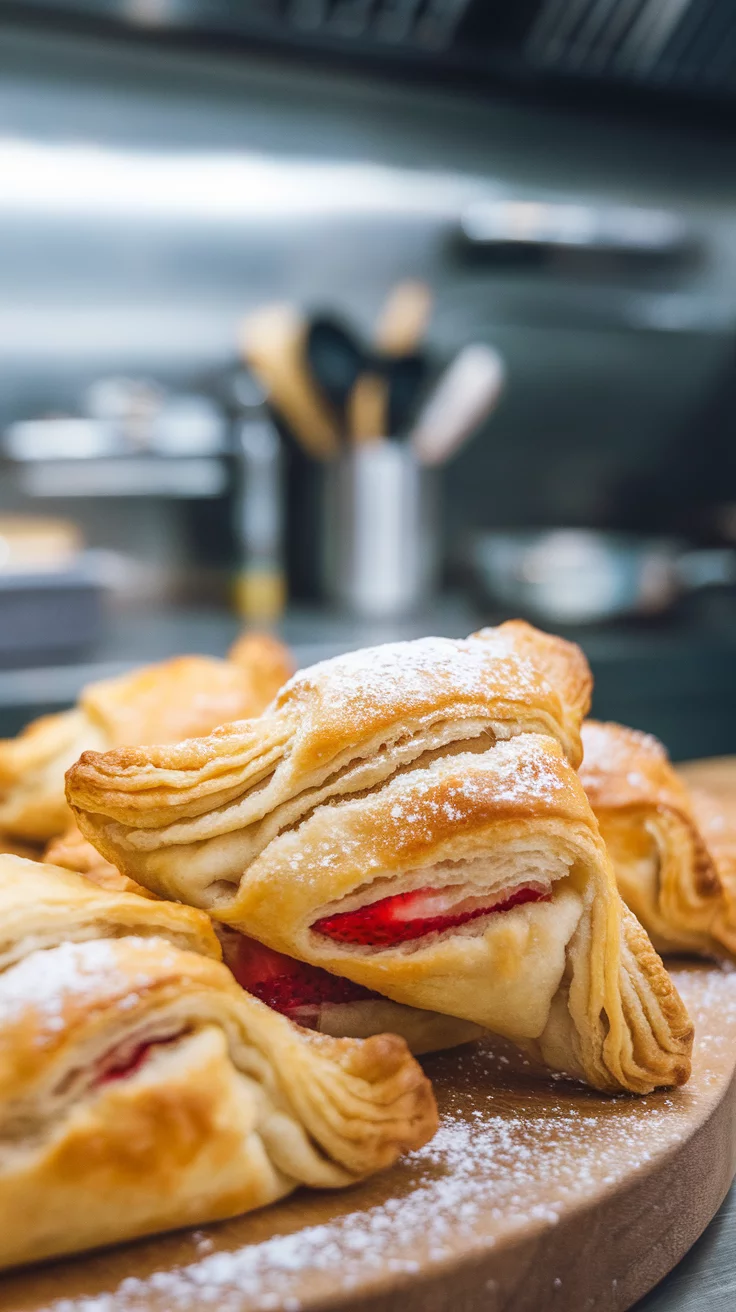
x=513, y=1156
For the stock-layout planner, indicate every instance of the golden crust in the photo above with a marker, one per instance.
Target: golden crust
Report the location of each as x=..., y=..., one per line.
x=175, y=699
x=667, y=1059
x=625, y=1026
x=446, y=812
x=716, y=818
x=231, y=1108
x=179, y=698
x=32, y=805
x=430, y=763
x=563, y=664
x=42, y=906
x=664, y=869
x=72, y=851
x=625, y=767
x=490, y=676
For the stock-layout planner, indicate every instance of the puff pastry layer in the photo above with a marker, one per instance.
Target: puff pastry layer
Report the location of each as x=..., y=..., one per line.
x=716, y=819
x=142, y=1090
x=664, y=868
x=540, y=948
x=176, y=699
x=42, y=906
x=72, y=851
x=339, y=728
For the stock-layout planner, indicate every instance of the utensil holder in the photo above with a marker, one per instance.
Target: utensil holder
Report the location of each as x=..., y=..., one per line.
x=382, y=520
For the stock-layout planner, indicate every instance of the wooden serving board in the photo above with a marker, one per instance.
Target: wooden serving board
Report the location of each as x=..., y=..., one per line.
x=717, y=775
x=535, y=1196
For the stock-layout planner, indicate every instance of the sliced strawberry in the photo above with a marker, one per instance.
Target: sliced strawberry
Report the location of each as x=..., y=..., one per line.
x=127, y=1065
x=407, y=916
x=291, y=987
x=129, y=1061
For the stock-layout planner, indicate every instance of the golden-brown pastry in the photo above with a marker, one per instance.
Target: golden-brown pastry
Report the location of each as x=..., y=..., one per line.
x=42, y=906
x=478, y=887
x=563, y=664
x=162, y=703
x=338, y=728
x=32, y=806
x=715, y=814
x=188, y=695
x=467, y=883
x=72, y=851
x=665, y=871
x=141, y=1090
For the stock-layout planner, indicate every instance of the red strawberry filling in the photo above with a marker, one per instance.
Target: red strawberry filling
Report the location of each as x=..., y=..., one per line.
x=407, y=916
x=298, y=990
x=129, y=1061
x=292, y=987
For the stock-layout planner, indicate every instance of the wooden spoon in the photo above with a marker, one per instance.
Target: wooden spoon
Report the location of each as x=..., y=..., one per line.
x=272, y=343
x=368, y=408
x=404, y=318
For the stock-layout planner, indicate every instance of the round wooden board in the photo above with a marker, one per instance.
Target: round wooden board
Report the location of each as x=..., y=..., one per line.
x=534, y=1197
x=717, y=775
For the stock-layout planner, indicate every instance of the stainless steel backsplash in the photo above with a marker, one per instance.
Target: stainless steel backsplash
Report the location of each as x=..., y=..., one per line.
x=148, y=199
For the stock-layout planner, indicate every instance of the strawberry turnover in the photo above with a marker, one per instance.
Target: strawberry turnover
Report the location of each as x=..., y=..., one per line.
x=407, y=824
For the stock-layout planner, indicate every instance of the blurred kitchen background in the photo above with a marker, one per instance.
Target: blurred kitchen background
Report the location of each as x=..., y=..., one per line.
x=363, y=319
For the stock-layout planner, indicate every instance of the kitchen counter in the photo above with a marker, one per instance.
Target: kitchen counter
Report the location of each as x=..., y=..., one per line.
x=674, y=679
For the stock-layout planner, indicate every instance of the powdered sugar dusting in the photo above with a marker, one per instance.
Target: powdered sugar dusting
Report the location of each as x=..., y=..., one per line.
x=410, y=672
x=517, y=770
x=614, y=749
x=503, y=1160
x=420, y=804
x=49, y=980
x=470, y=788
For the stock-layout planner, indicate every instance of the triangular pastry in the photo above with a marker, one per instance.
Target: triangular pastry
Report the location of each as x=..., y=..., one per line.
x=393, y=823
x=175, y=699
x=142, y=1090
x=664, y=867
